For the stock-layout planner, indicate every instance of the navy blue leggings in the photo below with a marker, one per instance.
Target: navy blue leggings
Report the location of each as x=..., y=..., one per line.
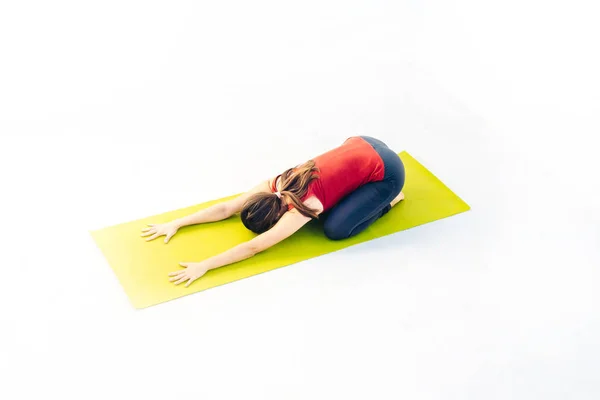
x=355, y=212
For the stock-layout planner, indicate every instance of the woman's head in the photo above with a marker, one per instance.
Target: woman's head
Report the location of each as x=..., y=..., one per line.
x=262, y=210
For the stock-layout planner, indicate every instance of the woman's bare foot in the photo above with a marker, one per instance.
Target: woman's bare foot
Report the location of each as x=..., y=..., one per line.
x=398, y=199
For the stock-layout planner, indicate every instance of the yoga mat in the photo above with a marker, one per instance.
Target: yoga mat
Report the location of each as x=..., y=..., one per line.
x=142, y=267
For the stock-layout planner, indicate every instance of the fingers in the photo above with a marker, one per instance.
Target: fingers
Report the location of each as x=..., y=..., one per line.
x=176, y=277
x=150, y=227
x=183, y=279
x=181, y=271
x=150, y=232
x=153, y=236
x=175, y=273
x=190, y=281
x=189, y=275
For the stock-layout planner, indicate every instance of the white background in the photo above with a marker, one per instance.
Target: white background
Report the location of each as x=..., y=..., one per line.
x=116, y=110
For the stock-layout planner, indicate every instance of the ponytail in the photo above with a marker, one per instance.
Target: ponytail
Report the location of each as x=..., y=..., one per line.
x=262, y=210
x=294, y=186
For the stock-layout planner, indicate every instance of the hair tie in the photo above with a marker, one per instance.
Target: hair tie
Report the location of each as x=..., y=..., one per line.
x=278, y=194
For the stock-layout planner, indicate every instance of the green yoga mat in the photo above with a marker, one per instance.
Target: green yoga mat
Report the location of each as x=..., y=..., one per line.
x=142, y=267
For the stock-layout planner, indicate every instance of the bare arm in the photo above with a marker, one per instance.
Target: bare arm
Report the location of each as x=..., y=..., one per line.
x=213, y=213
x=223, y=210
x=289, y=223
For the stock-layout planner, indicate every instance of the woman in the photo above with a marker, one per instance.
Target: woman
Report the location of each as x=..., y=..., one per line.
x=349, y=187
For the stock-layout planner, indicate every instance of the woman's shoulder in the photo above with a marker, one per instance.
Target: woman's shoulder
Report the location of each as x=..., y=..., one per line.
x=311, y=201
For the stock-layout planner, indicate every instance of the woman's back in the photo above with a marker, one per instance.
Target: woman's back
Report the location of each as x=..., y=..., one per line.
x=342, y=170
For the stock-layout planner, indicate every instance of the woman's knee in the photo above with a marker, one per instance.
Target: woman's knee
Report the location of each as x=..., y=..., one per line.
x=335, y=231
x=395, y=172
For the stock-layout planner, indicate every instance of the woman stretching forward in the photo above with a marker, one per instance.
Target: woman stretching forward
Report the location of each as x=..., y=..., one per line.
x=349, y=187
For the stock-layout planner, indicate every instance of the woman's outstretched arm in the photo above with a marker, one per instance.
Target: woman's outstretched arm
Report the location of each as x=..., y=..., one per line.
x=223, y=210
x=289, y=223
x=213, y=213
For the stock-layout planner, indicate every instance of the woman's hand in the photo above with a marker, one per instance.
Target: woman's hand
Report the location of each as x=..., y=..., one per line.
x=191, y=272
x=156, y=230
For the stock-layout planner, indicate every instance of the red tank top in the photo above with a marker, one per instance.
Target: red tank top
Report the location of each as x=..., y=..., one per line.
x=343, y=170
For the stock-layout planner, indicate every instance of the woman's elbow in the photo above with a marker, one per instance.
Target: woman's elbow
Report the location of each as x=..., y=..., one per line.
x=226, y=210
x=254, y=248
